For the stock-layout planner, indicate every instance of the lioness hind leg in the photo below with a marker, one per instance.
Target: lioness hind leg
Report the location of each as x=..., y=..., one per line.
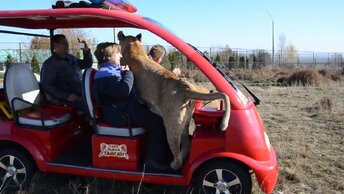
x=185, y=144
x=174, y=143
x=182, y=151
x=175, y=127
x=177, y=162
x=185, y=141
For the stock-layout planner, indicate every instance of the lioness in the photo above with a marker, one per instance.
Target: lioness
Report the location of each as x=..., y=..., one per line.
x=167, y=95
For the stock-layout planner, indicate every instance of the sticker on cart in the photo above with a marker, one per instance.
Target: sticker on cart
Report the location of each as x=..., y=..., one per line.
x=113, y=150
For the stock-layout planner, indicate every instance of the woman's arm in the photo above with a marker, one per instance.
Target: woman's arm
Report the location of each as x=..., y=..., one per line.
x=119, y=88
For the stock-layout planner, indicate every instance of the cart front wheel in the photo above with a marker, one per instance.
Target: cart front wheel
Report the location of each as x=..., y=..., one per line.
x=223, y=176
x=16, y=170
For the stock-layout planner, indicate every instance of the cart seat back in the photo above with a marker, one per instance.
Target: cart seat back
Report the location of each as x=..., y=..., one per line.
x=21, y=83
x=22, y=92
x=102, y=128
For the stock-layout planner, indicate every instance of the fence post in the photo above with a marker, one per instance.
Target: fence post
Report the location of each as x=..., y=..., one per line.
x=328, y=61
x=246, y=67
x=313, y=61
x=237, y=59
x=335, y=60
x=20, y=53
x=210, y=53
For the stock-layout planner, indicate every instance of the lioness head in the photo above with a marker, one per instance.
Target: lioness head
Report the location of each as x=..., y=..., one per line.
x=124, y=41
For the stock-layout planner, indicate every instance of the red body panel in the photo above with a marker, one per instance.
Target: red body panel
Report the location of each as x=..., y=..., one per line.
x=30, y=144
x=45, y=144
x=117, y=152
x=118, y=175
x=243, y=141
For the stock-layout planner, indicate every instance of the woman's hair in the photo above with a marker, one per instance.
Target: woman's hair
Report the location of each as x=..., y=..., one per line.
x=105, y=50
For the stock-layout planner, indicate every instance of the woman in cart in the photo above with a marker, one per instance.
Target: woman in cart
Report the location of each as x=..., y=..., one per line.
x=114, y=87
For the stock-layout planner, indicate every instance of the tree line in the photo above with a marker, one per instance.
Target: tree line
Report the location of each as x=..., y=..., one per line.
x=285, y=56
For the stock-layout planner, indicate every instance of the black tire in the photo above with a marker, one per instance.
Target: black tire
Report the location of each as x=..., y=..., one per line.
x=16, y=170
x=223, y=176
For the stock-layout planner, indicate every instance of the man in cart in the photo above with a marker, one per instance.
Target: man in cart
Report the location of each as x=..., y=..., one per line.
x=61, y=73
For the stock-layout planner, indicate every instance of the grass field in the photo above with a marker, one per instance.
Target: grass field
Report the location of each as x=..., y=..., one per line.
x=306, y=129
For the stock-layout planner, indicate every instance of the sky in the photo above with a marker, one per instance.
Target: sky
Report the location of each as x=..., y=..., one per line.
x=309, y=25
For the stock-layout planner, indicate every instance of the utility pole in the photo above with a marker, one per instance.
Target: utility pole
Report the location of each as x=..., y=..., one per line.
x=273, y=38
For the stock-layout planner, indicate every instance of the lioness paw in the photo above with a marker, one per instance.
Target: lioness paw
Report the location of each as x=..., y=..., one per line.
x=176, y=165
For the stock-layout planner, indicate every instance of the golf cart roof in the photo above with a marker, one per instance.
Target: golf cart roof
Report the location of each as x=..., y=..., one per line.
x=68, y=18
x=102, y=18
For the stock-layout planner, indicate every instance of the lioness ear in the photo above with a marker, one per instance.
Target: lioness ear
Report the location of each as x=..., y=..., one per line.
x=139, y=36
x=120, y=36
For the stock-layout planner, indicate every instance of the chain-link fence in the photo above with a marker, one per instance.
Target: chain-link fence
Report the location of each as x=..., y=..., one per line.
x=252, y=59
x=255, y=59
x=229, y=57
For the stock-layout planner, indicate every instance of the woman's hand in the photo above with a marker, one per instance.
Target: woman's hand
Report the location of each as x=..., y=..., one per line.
x=125, y=68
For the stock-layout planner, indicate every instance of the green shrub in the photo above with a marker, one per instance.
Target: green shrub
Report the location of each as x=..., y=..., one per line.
x=9, y=60
x=35, y=65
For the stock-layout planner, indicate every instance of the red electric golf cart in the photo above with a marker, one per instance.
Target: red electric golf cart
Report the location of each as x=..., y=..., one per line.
x=56, y=138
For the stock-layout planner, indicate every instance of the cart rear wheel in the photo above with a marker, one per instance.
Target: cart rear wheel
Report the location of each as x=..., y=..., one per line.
x=16, y=170
x=223, y=176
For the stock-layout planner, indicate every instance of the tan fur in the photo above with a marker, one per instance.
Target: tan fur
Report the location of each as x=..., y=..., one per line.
x=167, y=95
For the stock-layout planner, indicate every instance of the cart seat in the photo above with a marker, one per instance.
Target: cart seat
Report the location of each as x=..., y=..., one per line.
x=50, y=118
x=23, y=97
x=107, y=129
x=102, y=128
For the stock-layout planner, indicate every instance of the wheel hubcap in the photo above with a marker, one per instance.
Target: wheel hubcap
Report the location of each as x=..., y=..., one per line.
x=12, y=172
x=221, y=186
x=221, y=181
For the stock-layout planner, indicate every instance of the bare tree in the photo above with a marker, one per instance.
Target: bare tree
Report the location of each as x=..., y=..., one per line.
x=72, y=36
x=40, y=43
x=40, y=46
x=282, y=40
x=281, y=46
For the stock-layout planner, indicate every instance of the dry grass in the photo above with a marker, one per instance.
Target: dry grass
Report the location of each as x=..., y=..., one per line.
x=306, y=78
x=55, y=183
x=197, y=76
x=335, y=75
x=306, y=128
x=287, y=77
x=265, y=74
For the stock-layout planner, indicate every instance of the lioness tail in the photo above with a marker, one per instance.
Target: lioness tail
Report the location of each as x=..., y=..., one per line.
x=192, y=94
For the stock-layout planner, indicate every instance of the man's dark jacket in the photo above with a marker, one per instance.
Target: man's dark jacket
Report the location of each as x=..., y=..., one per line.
x=61, y=77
